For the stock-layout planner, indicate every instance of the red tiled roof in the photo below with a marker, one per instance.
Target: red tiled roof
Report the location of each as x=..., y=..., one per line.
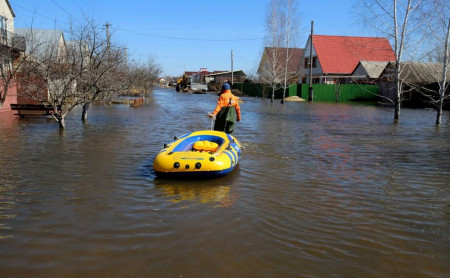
x=341, y=54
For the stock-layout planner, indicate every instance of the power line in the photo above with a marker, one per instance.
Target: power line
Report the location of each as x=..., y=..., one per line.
x=184, y=38
x=61, y=7
x=137, y=32
x=36, y=13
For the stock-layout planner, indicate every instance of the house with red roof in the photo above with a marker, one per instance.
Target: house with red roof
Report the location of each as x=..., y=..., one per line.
x=335, y=58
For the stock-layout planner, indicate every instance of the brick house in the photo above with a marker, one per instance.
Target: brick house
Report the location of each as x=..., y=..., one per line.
x=11, y=47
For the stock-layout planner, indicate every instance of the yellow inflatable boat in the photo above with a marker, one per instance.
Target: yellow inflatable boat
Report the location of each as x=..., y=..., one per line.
x=201, y=154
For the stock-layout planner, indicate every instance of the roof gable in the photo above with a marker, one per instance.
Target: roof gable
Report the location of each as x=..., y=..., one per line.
x=44, y=42
x=341, y=54
x=373, y=69
x=10, y=8
x=294, y=55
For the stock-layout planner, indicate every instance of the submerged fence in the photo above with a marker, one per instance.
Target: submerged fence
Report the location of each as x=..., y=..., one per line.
x=322, y=92
x=263, y=90
x=340, y=93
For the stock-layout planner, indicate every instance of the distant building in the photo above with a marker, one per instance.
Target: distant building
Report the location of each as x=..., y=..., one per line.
x=199, y=77
x=220, y=77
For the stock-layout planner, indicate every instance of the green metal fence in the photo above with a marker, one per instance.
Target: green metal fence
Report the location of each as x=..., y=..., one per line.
x=322, y=92
x=344, y=92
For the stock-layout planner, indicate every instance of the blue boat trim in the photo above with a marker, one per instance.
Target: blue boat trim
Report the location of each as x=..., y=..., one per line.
x=188, y=142
x=234, y=156
x=230, y=157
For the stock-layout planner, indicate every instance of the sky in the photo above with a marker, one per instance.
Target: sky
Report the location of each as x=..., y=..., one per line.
x=188, y=35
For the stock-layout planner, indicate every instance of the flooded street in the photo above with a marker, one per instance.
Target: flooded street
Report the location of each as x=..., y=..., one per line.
x=320, y=190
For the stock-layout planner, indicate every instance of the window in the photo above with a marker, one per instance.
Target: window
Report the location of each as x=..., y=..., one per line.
x=3, y=27
x=314, y=62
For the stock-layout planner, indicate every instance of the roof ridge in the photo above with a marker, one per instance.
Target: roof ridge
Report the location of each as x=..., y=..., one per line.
x=338, y=36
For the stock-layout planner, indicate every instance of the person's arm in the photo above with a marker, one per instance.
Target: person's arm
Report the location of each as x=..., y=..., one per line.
x=238, y=110
x=219, y=105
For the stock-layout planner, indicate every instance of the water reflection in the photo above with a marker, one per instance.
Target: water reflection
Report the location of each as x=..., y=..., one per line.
x=213, y=195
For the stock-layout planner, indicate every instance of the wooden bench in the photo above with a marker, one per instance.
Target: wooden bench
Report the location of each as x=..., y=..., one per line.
x=34, y=109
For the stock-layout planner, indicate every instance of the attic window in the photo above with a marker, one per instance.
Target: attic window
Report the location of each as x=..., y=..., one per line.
x=314, y=62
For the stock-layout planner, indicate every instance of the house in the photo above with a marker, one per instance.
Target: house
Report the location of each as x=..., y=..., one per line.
x=220, y=77
x=42, y=44
x=335, y=58
x=421, y=83
x=11, y=47
x=199, y=77
x=48, y=43
x=272, y=65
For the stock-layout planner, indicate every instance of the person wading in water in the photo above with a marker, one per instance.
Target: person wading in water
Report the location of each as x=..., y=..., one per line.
x=227, y=110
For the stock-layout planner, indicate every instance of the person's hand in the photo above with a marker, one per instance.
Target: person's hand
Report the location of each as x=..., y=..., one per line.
x=211, y=115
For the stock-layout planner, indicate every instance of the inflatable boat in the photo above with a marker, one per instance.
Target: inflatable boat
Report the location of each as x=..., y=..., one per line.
x=200, y=154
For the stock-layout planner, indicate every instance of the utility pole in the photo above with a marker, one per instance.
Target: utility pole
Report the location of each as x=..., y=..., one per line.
x=108, y=40
x=232, y=74
x=311, y=90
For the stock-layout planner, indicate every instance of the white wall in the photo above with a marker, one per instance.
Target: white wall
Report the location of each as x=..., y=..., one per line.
x=5, y=11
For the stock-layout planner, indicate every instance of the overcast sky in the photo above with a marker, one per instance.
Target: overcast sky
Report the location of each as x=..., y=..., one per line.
x=189, y=35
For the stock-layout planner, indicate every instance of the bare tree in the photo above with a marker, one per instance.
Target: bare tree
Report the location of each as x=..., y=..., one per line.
x=273, y=72
x=282, y=31
x=144, y=75
x=64, y=76
x=399, y=21
x=290, y=32
x=443, y=84
x=44, y=75
x=100, y=65
x=438, y=28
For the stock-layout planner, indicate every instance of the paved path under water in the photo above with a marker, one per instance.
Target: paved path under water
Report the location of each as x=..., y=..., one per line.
x=321, y=190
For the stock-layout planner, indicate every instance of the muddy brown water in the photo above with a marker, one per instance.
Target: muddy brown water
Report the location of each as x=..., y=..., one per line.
x=321, y=190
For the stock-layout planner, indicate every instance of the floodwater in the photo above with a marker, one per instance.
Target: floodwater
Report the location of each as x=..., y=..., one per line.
x=321, y=190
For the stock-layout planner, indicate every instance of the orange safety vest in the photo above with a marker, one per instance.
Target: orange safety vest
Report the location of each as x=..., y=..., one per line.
x=228, y=99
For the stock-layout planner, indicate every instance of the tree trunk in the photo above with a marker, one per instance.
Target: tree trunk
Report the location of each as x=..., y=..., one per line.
x=444, y=77
x=4, y=93
x=273, y=94
x=61, y=121
x=397, y=100
x=85, y=111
